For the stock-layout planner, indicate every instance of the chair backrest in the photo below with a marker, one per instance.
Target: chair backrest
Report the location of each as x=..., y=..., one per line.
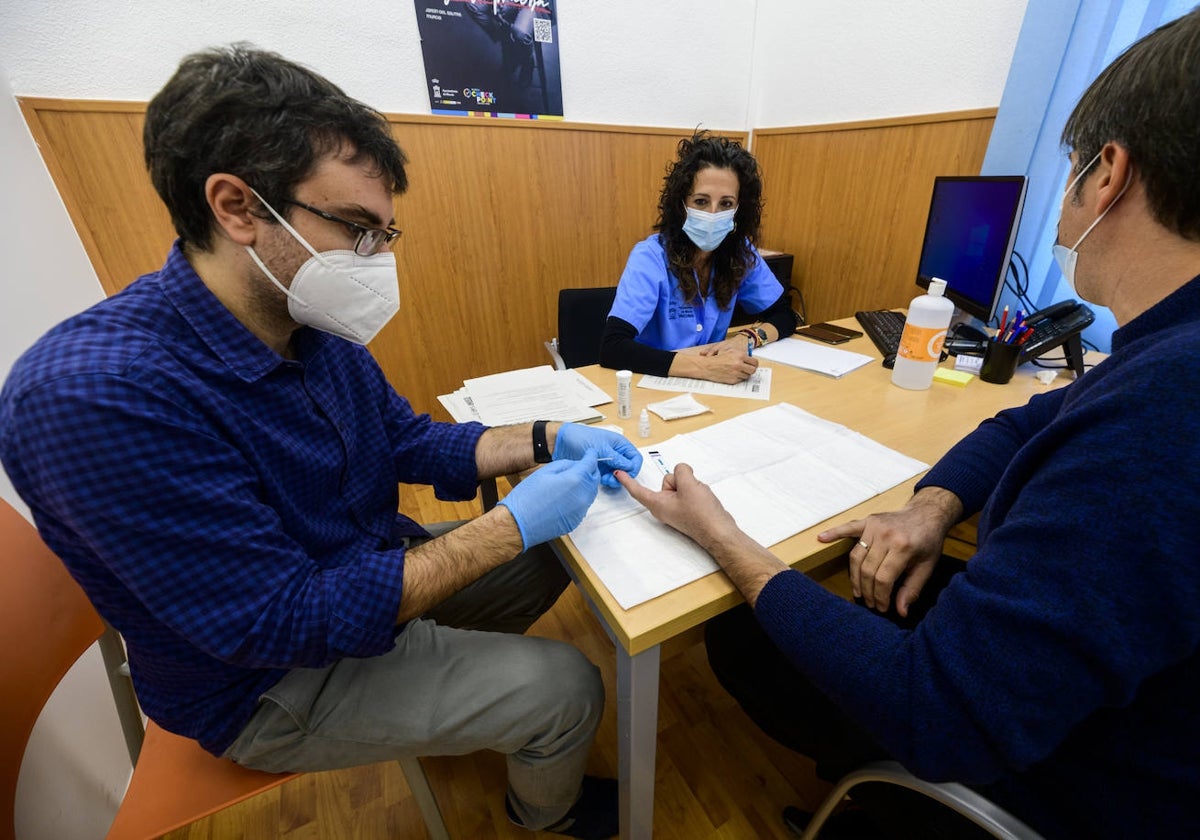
x=46, y=623
x=581, y=317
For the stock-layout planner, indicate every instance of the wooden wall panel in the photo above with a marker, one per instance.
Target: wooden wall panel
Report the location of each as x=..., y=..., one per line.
x=850, y=202
x=94, y=153
x=498, y=218
x=500, y=215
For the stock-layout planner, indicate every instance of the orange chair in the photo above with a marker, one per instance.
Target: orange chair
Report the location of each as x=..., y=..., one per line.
x=49, y=623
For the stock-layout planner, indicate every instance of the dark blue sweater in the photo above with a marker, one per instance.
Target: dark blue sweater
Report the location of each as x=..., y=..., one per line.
x=1062, y=666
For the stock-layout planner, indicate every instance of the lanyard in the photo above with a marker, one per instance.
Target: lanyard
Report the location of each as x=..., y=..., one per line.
x=698, y=308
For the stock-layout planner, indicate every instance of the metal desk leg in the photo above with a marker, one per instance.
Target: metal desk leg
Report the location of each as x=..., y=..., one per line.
x=637, y=724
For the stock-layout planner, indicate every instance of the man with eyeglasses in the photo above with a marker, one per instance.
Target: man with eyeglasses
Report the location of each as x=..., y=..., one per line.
x=215, y=456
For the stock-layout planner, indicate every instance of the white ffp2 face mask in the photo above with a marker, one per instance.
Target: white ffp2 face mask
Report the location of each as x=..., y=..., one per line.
x=339, y=292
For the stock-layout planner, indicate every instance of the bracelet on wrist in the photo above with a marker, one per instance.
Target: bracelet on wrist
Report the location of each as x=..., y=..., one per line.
x=541, y=448
x=752, y=335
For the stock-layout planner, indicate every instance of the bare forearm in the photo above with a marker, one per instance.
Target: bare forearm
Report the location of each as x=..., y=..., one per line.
x=437, y=569
x=690, y=365
x=938, y=504
x=509, y=449
x=748, y=565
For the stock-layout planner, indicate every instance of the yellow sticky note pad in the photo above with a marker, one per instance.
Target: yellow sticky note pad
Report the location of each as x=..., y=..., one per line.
x=953, y=377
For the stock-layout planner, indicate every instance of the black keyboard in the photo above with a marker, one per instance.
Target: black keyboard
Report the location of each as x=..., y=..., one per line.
x=882, y=326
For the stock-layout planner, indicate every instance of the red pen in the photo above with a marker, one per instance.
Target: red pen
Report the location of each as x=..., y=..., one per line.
x=1025, y=335
x=1003, y=320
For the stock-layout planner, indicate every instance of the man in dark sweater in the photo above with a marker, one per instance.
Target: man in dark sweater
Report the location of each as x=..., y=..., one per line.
x=1059, y=672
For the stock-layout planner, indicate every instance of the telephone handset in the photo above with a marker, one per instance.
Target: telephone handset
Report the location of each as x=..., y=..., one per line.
x=1058, y=324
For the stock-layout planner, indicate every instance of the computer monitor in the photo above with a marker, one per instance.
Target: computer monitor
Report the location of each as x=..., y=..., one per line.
x=969, y=238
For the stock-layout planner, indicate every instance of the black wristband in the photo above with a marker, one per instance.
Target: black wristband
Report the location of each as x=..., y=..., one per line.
x=541, y=450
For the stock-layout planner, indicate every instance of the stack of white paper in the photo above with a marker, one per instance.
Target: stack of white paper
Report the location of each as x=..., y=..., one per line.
x=809, y=356
x=519, y=396
x=778, y=471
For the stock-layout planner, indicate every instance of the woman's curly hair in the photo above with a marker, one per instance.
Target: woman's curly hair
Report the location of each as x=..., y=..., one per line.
x=733, y=257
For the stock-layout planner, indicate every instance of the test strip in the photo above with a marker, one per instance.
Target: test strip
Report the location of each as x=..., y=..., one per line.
x=657, y=458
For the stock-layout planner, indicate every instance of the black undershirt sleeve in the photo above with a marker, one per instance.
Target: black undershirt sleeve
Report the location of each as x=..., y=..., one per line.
x=780, y=315
x=620, y=350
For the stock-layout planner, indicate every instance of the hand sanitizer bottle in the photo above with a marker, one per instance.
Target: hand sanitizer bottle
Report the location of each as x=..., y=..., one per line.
x=924, y=333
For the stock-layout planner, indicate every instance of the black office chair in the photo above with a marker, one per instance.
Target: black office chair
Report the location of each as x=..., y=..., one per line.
x=959, y=798
x=581, y=317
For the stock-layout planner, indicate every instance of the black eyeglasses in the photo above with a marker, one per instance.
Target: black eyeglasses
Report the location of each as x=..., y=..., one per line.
x=370, y=240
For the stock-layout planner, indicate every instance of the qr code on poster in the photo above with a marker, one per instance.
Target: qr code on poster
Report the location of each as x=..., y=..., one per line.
x=542, y=32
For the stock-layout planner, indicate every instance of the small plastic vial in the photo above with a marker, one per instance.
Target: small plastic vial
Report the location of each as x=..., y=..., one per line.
x=644, y=423
x=624, y=394
x=925, y=328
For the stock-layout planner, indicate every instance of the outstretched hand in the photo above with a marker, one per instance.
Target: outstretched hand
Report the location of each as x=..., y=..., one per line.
x=689, y=506
x=686, y=504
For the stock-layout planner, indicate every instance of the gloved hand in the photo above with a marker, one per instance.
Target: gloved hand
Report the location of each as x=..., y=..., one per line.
x=553, y=499
x=574, y=439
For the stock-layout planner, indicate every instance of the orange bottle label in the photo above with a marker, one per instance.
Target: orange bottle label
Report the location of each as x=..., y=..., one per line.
x=921, y=344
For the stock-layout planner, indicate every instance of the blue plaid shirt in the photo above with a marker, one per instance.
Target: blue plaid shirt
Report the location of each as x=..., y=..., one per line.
x=232, y=513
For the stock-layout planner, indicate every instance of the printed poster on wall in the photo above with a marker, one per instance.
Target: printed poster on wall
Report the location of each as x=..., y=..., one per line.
x=495, y=58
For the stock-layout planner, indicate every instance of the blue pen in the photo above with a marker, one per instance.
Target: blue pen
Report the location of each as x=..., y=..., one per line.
x=749, y=346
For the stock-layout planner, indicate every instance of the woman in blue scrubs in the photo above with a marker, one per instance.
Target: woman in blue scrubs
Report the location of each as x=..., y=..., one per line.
x=676, y=296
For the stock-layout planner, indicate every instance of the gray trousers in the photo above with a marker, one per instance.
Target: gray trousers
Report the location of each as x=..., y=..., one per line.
x=460, y=679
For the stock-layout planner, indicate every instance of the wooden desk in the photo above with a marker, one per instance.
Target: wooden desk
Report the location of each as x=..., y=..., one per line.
x=920, y=424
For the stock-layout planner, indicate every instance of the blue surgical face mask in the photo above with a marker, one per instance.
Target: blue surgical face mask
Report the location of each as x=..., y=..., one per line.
x=1068, y=257
x=708, y=230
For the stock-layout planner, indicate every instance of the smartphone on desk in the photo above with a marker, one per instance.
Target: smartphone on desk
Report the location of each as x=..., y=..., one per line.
x=829, y=333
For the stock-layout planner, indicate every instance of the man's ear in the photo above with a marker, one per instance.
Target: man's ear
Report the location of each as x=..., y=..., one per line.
x=231, y=202
x=1116, y=173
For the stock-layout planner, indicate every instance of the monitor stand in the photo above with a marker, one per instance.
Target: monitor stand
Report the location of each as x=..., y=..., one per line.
x=967, y=327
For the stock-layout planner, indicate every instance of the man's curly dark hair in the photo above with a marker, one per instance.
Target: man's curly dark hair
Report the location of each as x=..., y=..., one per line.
x=733, y=257
x=253, y=114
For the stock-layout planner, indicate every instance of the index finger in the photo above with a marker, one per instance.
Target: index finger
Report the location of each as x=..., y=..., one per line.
x=852, y=529
x=640, y=492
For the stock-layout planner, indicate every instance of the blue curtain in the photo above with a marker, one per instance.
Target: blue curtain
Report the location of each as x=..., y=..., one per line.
x=1063, y=46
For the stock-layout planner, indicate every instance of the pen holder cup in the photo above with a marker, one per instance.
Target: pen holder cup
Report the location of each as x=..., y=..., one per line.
x=999, y=362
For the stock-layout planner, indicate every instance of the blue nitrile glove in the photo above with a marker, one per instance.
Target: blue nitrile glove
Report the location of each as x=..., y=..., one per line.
x=574, y=439
x=553, y=499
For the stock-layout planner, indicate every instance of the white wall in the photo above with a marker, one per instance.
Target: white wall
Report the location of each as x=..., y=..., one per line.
x=731, y=64
x=820, y=62
x=722, y=64
x=76, y=766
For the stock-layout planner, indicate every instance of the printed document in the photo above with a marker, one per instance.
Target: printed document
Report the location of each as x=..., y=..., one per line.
x=757, y=387
x=778, y=471
x=519, y=396
x=461, y=406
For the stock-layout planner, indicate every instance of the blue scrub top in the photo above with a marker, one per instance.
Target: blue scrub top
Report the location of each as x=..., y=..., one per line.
x=648, y=297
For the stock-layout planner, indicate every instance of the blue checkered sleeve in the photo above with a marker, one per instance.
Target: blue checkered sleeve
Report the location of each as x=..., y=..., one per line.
x=179, y=517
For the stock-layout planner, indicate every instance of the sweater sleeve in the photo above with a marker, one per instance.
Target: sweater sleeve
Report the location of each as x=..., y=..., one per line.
x=1075, y=599
x=972, y=468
